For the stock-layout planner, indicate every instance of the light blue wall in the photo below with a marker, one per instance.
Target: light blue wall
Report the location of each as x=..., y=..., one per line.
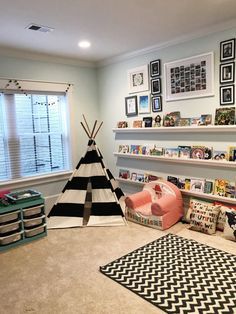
x=113, y=88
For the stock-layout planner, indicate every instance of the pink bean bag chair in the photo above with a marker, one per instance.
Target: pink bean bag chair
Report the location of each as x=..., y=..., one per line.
x=159, y=205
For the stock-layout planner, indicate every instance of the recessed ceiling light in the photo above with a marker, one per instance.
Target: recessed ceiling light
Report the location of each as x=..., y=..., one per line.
x=84, y=44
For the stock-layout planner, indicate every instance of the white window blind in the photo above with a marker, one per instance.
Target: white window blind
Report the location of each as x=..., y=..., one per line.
x=33, y=133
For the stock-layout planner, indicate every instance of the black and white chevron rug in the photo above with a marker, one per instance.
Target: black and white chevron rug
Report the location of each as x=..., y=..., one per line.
x=179, y=275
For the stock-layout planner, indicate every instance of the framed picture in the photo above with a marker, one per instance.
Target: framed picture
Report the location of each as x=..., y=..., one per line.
x=156, y=104
x=131, y=106
x=190, y=77
x=227, y=50
x=138, y=80
x=144, y=103
x=227, y=72
x=227, y=95
x=156, y=86
x=155, y=68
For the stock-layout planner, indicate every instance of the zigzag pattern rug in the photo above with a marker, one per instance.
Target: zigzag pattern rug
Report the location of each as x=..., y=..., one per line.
x=179, y=275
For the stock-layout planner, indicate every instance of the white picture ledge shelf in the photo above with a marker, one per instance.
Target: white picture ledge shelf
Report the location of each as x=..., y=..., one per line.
x=181, y=129
x=202, y=162
x=186, y=192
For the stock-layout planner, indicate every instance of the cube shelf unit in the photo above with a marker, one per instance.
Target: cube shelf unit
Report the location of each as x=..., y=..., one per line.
x=22, y=223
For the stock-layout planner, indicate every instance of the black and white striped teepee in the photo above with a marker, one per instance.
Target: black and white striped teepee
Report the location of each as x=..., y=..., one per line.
x=91, y=197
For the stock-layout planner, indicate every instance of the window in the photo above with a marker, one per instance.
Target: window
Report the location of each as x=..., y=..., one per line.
x=33, y=134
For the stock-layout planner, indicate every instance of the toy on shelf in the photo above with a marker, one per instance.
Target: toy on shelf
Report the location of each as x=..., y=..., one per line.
x=159, y=205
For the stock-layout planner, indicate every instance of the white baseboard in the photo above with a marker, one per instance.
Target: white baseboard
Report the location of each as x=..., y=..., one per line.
x=49, y=202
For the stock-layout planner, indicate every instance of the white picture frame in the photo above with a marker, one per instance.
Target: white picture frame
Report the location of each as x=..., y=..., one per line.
x=190, y=77
x=144, y=105
x=138, y=79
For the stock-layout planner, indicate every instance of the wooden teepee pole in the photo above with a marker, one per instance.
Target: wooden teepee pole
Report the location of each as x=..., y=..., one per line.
x=85, y=129
x=98, y=129
x=95, y=123
x=87, y=125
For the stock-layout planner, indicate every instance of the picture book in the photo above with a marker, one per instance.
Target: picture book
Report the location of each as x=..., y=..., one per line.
x=155, y=151
x=225, y=116
x=195, y=121
x=183, y=122
x=230, y=190
x=208, y=153
x=171, y=119
x=220, y=155
x=124, y=174
x=184, y=151
x=147, y=122
x=173, y=180
x=205, y=119
x=220, y=187
x=140, y=177
x=187, y=184
x=181, y=183
x=133, y=176
x=197, y=185
x=232, y=153
x=136, y=149
x=172, y=152
x=208, y=188
x=150, y=177
x=122, y=124
x=197, y=152
x=123, y=149
x=137, y=124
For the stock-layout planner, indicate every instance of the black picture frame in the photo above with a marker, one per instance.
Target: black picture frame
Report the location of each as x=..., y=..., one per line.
x=227, y=50
x=156, y=86
x=155, y=68
x=227, y=72
x=227, y=95
x=156, y=104
x=131, y=106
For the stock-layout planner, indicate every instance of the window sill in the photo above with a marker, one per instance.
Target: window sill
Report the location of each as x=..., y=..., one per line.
x=44, y=179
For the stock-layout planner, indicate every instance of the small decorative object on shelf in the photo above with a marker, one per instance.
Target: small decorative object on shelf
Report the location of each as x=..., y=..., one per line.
x=157, y=121
x=137, y=124
x=122, y=124
x=147, y=122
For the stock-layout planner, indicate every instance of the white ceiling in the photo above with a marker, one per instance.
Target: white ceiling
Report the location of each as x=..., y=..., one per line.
x=114, y=27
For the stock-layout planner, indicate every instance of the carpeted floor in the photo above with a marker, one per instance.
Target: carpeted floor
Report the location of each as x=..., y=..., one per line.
x=60, y=273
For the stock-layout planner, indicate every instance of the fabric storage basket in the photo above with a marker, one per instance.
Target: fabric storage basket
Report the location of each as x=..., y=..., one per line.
x=9, y=217
x=31, y=211
x=28, y=223
x=11, y=238
x=9, y=227
x=34, y=231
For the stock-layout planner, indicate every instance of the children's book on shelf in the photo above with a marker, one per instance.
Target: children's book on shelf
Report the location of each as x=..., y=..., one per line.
x=184, y=151
x=232, y=153
x=187, y=184
x=205, y=119
x=137, y=124
x=173, y=180
x=220, y=187
x=230, y=190
x=208, y=187
x=225, y=116
x=133, y=176
x=198, y=152
x=171, y=119
x=124, y=174
x=122, y=124
x=147, y=122
x=140, y=177
x=150, y=177
x=208, y=153
x=171, y=152
x=181, y=183
x=136, y=149
x=197, y=185
x=195, y=121
x=154, y=150
x=183, y=122
x=123, y=149
x=157, y=121
x=220, y=155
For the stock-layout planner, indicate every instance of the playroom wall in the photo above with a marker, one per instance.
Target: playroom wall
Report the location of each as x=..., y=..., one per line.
x=84, y=101
x=113, y=88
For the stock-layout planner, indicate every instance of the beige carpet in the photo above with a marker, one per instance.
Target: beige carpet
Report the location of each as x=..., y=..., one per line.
x=60, y=273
